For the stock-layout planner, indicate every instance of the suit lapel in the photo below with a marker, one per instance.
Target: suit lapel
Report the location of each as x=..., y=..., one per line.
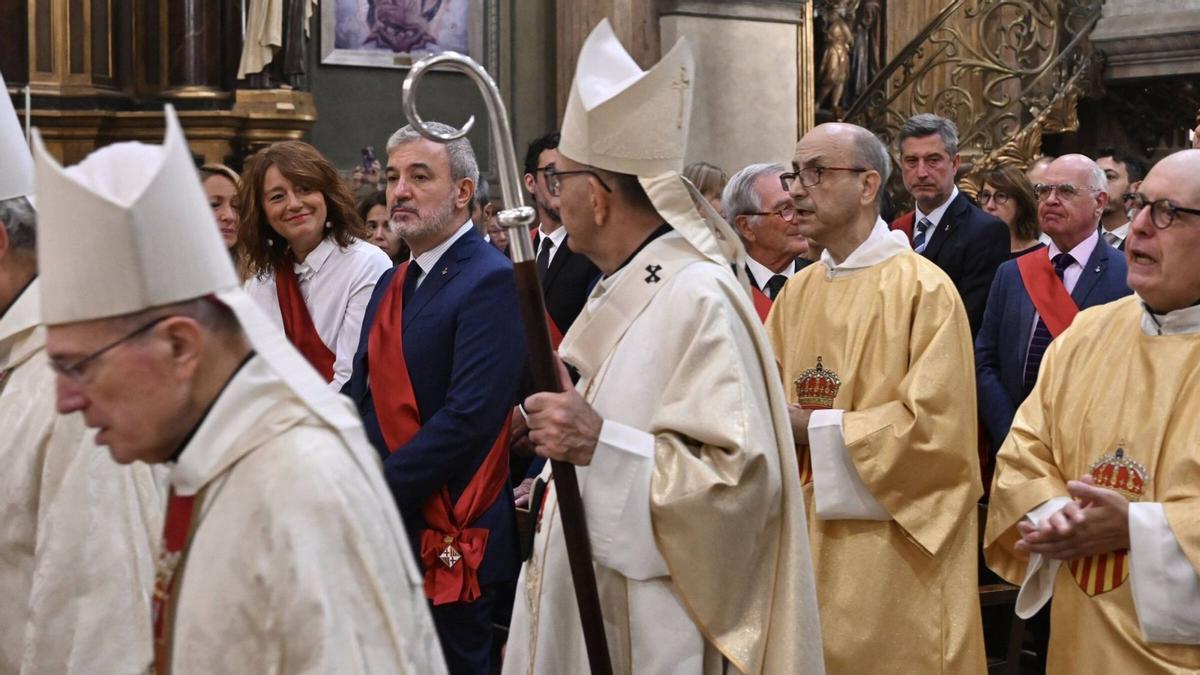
x=947, y=227
x=443, y=272
x=1092, y=271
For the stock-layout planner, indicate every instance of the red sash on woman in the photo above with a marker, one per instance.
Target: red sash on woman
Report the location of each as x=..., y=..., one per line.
x=1056, y=307
x=451, y=552
x=762, y=304
x=298, y=323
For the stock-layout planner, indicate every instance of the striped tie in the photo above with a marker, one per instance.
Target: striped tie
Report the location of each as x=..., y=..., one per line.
x=1041, y=334
x=919, y=240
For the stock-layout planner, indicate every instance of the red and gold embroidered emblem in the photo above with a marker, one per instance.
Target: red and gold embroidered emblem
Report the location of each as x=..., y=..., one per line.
x=1102, y=573
x=816, y=389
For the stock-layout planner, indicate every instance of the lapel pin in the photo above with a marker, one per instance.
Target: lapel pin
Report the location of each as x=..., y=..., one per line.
x=445, y=270
x=1097, y=269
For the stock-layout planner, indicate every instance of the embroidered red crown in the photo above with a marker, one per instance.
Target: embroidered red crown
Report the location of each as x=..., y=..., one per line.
x=816, y=388
x=1120, y=473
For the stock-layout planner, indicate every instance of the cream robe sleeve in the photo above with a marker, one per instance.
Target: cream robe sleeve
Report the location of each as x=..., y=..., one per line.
x=1166, y=587
x=917, y=452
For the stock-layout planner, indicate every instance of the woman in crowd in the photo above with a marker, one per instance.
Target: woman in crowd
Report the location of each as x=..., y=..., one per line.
x=709, y=180
x=1008, y=195
x=311, y=269
x=373, y=211
x=220, y=186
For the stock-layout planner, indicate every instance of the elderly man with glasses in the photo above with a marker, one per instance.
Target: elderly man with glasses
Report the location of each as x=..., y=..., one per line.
x=875, y=351
x=1095, y=498
x=761, y=211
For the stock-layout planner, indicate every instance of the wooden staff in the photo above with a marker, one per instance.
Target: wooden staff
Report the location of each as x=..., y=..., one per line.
x=542, y=362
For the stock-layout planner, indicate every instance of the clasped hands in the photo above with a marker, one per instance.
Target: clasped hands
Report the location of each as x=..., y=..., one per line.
x=1096, y=522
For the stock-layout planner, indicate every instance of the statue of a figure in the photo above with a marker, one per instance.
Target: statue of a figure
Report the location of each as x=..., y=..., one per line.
x=835, y=62
x=865, y=61
x=274, y=49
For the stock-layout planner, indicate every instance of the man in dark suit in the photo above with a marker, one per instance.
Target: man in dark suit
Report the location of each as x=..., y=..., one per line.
x=1125, y=174
x=435, y=377
x=1076, y=271
x=761, y=211
x=1007, y=351
x=567, y=277
x=967, y=243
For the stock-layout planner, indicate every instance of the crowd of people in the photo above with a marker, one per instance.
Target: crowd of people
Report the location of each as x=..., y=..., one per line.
x=295, y=430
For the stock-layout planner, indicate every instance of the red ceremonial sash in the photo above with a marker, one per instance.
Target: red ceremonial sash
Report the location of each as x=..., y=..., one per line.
x=905, y=224
x=175, y=533
x=762, y=304
x=451, y=552
x=298, y=323
x=1049, y=295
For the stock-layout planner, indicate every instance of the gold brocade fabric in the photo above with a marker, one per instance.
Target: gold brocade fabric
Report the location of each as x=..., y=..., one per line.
x=1104, y=385
x=900, y=595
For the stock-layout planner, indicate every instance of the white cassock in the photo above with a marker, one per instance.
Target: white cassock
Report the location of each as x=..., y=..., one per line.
x=77, y=530
x=297, y=562
x=693, y=501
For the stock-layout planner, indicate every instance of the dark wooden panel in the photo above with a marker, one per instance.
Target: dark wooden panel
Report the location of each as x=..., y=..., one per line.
x=150, y=33
x=77, y=30
x=45, y=38
x=194, y=31
x=101, y=28
x=14, y=48
x=122, y=43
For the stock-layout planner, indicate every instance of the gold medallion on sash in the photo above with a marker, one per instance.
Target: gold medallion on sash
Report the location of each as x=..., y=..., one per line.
x=816, y=389
x=1099, y=574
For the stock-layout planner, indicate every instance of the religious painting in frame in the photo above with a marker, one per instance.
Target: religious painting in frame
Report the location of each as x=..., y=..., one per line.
x=397, y=33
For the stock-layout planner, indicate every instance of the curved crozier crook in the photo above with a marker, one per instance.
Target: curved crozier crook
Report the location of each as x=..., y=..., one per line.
x=454, y=61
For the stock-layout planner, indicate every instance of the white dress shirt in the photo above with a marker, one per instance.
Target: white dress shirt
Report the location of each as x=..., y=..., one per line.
x=1116, y=236
x=934, y=216
x=762, y=274
x=556, y=239
x=1080, y=254
x=429, y=259
x=336, y=284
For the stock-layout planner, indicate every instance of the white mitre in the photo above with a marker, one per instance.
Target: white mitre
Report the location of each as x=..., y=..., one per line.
x=16, y=174
x=626, y=120
x=128, y=229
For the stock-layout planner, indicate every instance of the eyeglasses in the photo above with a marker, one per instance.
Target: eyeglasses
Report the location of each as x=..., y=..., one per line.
x=76, y=371
x=787, y=213
x=1162, y=211
x=554, y=179
x=811, y=176
x=1065, y=191
x=1001, y=198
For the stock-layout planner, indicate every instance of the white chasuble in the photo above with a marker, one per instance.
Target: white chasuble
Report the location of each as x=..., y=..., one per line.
x=692, y=497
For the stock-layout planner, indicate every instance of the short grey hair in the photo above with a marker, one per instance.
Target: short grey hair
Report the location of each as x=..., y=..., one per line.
x=462, y=155
x=927, y=124
x=739, y=196
x=1096, y=176
x=20, y=224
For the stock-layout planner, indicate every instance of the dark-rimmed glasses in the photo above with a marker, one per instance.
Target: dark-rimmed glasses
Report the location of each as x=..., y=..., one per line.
x=1001, y=198
x=811, y=176
x=554, y=179
x=1162, y=211
x=1065, y=191
x=787, y=213
x=75, y=371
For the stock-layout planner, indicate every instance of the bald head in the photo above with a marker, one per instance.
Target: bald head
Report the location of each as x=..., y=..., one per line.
x=1164, y=242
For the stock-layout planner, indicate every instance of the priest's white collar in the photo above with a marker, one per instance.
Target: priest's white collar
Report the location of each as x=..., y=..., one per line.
x=881, y=245
x=1179, y=322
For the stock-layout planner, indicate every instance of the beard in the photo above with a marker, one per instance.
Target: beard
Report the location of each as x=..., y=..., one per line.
x=427, y=223
x=543, y=206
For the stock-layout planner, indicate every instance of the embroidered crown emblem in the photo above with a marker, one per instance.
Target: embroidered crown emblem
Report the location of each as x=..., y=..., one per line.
x=816, y=388
x=1119, y=472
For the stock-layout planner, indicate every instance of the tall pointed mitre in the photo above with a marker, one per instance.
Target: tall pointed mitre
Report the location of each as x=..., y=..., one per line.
x=16, y=164
x=129, y=229
x=626, y=120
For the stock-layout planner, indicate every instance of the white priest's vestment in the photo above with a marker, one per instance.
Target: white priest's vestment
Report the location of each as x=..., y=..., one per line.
x=77, y=530
x=296, y=562
x=693, y=503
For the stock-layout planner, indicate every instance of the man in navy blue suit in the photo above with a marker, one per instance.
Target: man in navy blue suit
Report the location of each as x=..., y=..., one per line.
x=1014, y=334
x=436, y=375
x=959, y=237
